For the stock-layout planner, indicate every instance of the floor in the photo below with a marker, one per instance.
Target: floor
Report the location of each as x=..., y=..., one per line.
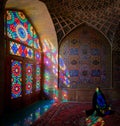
x=73, y=113
x=28, y=115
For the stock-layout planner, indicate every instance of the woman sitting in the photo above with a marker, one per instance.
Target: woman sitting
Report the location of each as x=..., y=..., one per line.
x=99, y=105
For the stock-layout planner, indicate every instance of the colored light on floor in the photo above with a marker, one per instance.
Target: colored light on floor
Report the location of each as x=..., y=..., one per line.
x=26, y=116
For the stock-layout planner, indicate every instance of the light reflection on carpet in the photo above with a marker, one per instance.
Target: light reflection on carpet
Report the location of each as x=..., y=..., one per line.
x=72, y=114
x=27, y=116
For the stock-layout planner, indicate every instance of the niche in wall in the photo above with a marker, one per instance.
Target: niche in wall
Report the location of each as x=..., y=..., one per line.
x=85, y=59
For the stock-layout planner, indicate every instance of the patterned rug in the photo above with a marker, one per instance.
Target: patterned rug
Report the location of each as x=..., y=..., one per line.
x=72, y=114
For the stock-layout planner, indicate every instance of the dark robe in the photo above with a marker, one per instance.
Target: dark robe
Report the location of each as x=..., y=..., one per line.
x=99, y=104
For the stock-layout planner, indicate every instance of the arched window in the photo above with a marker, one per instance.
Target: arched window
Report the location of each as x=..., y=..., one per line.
x=24, y=54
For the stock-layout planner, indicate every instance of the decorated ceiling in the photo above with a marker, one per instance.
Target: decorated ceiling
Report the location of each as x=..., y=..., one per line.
x=103, y=15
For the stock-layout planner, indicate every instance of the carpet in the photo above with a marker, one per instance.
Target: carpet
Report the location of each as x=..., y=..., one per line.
x=72, y=114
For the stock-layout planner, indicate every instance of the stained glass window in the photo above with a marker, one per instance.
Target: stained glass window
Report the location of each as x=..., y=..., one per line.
x=36, y=41
x=29, y=78
x=37, y=77
x=37, y=56
x=23, y=41
x=19, y=28
x=16, y=79
x=20, y=50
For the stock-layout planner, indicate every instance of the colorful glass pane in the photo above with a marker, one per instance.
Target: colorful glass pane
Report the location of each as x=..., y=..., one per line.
x=29, y=78
x=37, y=77
x=36, y=41
x=16, y=78
x=20, y=50
x=37, y=56
x=19, y=28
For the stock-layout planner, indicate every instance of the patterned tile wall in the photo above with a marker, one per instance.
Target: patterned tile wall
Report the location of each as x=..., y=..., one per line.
x=87, y=59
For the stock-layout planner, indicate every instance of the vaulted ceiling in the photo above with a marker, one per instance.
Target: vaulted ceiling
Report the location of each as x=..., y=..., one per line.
x=103, y=15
